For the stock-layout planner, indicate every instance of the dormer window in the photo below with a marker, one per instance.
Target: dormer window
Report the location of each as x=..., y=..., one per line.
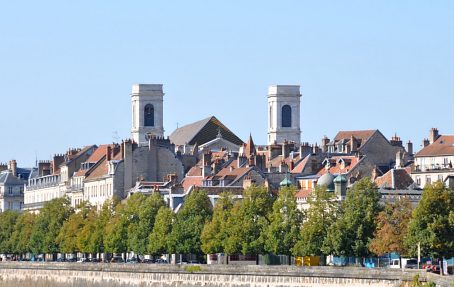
x=149, y=115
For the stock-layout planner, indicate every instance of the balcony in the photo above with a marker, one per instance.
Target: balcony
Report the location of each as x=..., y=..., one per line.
x=433, y=168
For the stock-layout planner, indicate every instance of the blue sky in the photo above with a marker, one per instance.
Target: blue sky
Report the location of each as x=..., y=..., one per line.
x=67, y=67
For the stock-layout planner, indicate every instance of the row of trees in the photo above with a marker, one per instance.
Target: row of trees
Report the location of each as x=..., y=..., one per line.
x=257, y=224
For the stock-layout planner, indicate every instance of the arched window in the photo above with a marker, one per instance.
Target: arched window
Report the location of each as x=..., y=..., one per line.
x=286, y=116
x=149, y=116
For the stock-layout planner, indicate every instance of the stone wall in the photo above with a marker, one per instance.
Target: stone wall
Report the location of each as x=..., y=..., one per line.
x=126, y=275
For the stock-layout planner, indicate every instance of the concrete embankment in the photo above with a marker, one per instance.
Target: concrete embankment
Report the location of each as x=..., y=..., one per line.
x=127, y=275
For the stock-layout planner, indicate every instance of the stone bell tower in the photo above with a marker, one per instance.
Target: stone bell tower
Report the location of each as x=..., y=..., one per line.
x=284, y=114
x=147, y=111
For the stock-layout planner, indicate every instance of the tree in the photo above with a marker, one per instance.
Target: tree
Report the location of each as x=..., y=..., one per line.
x=430, y=224
x=158, y=239
x=67, y=238
x=249, y=221
x=7, y=222
x=355, y=226
x=144, y=211
x=48, y=225
x=215, y=232
x=323, y=207
x=283, y=231
x=392, y=226
x=189, y=223
x=20, y=238
x=116, y=231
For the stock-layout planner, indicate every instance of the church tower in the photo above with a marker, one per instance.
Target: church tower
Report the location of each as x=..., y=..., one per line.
x=284, y=114
x=147, y=111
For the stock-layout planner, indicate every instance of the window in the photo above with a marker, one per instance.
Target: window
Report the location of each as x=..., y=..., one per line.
x=10, y=190
x=149, y=116
x=418, y=180
x=428, y=180
x=286, y=116
x=440, y=177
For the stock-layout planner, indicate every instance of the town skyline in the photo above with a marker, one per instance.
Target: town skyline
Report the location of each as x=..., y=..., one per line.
x=66, y=82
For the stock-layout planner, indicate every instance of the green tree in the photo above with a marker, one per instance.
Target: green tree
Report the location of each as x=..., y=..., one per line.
x=283, y=231
x=158, y=239
x=323, y=207
x=430, y=223
x=20, y=238
x=143, y=210
x=355, y=226
x=215, y=232
x=116, y=231
x=7, y=223
x=189, y=223
x=48, y=225
x=92, y=237
x=67, y=238
x=392, y=226
x=249, y=221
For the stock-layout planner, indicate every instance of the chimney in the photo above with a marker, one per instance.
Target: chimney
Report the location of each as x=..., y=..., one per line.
x=410, y=148
x=353, y=144
x=433, y=135
x=399, y=159
x=108, y=153
x=206, y=162
x=57, y=161
x=44, y=168
x=122, y=149
x=425, y=143
x=325, y=142
x=285, y=149
x=13, y=167
x=305, y=149
x=395, y=141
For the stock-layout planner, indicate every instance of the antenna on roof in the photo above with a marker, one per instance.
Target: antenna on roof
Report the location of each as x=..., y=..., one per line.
x=177, y=125
x=36, y=158
x=115, y=136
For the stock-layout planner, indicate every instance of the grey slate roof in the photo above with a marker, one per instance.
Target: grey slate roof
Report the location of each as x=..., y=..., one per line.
x=9, y=178
x=202, y=132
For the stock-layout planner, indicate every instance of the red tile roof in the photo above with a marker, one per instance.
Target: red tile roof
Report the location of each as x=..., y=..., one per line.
x=192, y=181
x=97, y=155
x=303, y=193
x=301, y=165
x=336, y=166
x=444, y=145
x=395, y=178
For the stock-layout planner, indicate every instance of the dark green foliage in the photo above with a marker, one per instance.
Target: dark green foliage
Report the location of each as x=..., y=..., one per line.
x=215, y=233
x=323, y=207
x=430, y=223
x=355, y=226
x=248, y=222
x=283, y=231
x=158, y=239
x=48, y=224
x=7, y=223
x=189, y=223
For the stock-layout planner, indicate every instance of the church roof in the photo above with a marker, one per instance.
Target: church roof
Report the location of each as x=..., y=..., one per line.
x=202, y=132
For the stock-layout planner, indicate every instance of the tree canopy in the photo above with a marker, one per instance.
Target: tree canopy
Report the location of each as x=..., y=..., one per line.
x=355, y=226
x=392, y=226
x=430, y=223
x=320, y=215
